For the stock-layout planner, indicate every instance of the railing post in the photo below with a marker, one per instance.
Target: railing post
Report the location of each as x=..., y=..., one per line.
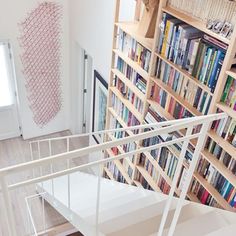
x=8, y=208
x=193, y=163
x=98, y=198
x=68, y=176
x=174, y=182
x=32, y=157
x=50, y=154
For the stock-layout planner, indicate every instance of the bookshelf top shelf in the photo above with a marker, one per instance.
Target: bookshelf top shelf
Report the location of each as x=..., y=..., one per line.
x=131, y=28
x=194, y=22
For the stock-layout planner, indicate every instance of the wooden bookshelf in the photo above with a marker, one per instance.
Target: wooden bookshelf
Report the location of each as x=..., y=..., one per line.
x=151, y=44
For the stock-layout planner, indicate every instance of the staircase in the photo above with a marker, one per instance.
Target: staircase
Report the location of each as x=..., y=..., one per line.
x=98, y=206
x=127, y=210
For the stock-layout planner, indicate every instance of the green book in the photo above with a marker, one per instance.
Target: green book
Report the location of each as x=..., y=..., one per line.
x=200, y=48
x=227, y=88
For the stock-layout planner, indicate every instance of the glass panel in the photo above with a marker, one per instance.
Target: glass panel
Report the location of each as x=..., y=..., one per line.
x=5, y=86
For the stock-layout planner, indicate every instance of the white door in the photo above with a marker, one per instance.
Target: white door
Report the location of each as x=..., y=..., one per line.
x=9, y=120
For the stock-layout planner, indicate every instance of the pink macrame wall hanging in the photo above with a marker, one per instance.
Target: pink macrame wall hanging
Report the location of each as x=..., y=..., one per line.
x=40, y=41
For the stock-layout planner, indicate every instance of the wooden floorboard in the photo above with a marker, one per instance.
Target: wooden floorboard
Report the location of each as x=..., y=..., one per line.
x=15, y=151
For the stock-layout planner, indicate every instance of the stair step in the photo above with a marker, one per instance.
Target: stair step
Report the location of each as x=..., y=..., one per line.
x=133, y=217
x=124, y=206
x=117, y=201
x=151, y=225
x=229, y=230
x=203, y=224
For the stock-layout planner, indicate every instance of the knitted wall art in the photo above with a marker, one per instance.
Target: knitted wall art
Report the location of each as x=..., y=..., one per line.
x=40, y=42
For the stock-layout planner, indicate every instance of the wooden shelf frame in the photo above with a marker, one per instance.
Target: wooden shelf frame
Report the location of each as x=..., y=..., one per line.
x=151, y=44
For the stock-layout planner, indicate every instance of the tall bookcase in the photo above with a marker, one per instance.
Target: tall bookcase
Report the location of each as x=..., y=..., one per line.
x=135, y=106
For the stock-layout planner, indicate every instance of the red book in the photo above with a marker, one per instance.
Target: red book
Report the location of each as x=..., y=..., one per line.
x=204, y=197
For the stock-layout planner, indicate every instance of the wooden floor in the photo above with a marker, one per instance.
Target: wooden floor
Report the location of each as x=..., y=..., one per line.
x=15, y=151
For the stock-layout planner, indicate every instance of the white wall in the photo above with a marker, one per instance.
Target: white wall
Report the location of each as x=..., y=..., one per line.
x=91, y=27
x=11, y=13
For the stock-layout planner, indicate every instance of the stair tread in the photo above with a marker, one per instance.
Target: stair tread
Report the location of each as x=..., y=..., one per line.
x=229, y=230
x=204, y=224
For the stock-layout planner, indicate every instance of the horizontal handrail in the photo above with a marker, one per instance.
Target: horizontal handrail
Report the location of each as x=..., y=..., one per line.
x=100, y=162
x=143, y=126
x=178, y=125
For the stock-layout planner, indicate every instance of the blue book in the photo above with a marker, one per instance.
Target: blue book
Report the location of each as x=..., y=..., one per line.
x=214, y=70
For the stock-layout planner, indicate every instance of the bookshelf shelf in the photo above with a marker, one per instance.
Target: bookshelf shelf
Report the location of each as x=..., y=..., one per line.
x=120, y=167
x=127, y=103
x=122, y=152
x=193, y=197
x=108, y=173
x=131, y=28
x=160, y=110
x=160, y=171
x=185, y=73
x=138, y=184
x=227, y=110
x=148, y=178
x=132, y=64
x=129, y=84
x=177, y=97
x=194, y=22
x=221, y=201
x=220, y=167
x=223, y=143
x=232, y=73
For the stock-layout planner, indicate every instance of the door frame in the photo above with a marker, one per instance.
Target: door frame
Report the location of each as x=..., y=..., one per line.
x=14, y=87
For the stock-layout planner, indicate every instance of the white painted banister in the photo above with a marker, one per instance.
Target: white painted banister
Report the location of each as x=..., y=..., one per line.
x=161, y=128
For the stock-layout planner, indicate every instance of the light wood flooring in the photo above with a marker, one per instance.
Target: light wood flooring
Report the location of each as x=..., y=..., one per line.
x=15, y=151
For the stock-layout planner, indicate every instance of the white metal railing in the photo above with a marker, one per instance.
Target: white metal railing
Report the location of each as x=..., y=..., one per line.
x=161, y=128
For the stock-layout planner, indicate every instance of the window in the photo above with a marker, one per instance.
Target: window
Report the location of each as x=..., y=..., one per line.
x=5, y=76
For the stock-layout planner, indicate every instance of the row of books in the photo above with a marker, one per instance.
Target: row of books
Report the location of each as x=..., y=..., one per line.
x=226, y=128
x=220, y=154
x=124, y=112
x=229, y=93
x=199, y=54
x=129, y=94
x=134, y=50
x=153, y=117
x=183, y=86
x=161, y=182
x=115, y=171
x=128, y=168
x=218, y=181
x=203, y=195
x=131, y=74
x=213, y=9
